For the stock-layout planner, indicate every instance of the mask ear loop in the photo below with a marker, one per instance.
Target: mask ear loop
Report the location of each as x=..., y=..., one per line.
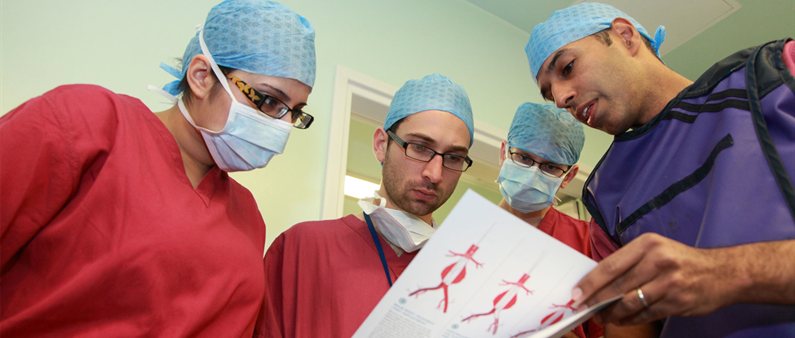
x=184, y=111
x=217, y=70
x=221, y=78
x=224, y=82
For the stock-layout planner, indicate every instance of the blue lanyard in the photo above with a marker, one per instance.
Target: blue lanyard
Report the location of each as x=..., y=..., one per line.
x=378, y=247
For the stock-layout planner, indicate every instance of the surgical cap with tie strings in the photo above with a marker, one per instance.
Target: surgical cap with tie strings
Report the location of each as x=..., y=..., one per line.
x=547, y=131
x=256, y=36
x=575, y=22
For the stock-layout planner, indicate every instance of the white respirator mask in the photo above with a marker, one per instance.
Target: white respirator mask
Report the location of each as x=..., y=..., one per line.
x=400, y=228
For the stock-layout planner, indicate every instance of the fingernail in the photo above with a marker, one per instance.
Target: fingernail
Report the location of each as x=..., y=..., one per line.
x=576, y=294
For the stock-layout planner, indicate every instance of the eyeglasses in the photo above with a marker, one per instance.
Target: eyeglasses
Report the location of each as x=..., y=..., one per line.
x=422, y=153
x=272, y=106
x=524, y=160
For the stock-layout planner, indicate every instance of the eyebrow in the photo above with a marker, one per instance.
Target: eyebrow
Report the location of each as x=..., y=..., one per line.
x=430, y=141
x=282, y=95
x=533, y=157
x=558, y=54
x=525, y=153
x=551, y=67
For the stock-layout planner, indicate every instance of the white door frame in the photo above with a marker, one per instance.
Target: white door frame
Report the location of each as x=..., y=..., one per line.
x=347, y=83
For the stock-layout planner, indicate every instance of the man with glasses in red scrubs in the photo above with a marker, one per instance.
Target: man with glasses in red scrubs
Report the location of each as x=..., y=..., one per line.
x=323, y=278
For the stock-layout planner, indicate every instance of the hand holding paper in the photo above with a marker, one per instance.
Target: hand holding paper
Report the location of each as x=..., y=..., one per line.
x=484, y=273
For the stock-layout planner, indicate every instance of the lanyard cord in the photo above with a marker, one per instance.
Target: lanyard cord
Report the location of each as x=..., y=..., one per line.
x=378, y=247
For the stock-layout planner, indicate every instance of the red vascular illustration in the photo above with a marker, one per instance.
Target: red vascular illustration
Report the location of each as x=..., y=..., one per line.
x=504, y=300
x=452, y=274
x=560, y=312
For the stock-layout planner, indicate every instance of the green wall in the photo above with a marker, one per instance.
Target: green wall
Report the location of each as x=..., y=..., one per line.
x=119, y=44
x=756, y=22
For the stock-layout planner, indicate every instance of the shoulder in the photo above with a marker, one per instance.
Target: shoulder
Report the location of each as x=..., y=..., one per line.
x=307, y=237
x=322, y=231
x=74, y=112
x=86, y=106
x=85, y=95
x=79, y=89
x=564, y=218
x=320, y=227
x=766, y=58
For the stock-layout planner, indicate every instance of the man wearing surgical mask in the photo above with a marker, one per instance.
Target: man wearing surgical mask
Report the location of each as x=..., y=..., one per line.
x=539, y=158
x=323, y=278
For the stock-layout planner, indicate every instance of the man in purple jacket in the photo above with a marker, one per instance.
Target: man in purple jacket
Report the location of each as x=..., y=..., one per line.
x=696, y=189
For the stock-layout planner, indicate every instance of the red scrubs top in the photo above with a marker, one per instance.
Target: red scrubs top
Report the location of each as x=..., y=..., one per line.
x=324, y=278
x=573, y=232
x=102, y=234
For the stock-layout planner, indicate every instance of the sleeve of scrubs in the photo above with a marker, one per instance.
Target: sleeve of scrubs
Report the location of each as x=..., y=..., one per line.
x=40, y=168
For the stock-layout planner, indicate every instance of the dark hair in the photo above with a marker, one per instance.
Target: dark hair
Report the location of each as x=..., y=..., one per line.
x=605, y=38
x=394, y=129
x=185, y=88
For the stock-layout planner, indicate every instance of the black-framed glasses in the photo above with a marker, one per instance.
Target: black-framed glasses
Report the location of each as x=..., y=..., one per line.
x=422, y=153
x=524, y=160
x=272, y=106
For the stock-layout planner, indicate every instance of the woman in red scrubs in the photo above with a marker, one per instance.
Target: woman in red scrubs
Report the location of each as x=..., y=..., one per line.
x=116, y=221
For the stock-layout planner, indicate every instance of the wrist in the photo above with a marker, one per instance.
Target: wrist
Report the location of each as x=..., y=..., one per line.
x=758, y=272
x=739, y=274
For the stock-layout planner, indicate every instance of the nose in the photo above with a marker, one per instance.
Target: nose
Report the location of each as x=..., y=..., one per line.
x=433, y=169
x=563, y=95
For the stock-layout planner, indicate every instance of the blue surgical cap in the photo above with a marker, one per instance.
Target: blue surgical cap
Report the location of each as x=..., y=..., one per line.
x=547, y=131
x=432, y=92
x=256, y=36
x=573, y=23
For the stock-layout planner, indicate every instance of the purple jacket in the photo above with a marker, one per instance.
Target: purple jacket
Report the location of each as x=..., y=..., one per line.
x=715, y=168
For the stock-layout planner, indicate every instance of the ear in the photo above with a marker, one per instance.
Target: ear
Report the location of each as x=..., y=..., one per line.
x=503, y=146
x=570, y=176
x=200, y=77
x=627, y=35
x=380, y=140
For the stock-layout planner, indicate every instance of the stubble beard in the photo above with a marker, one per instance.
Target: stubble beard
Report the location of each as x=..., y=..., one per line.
x=397, y=188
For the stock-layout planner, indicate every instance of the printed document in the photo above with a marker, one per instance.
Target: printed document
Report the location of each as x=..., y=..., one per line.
x=484, y=273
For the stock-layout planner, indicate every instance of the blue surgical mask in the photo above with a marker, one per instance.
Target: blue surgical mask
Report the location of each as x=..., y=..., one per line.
x=249, y=138
x=527, y=189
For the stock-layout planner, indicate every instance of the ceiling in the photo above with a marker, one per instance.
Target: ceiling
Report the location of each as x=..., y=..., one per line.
x=683, y=19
